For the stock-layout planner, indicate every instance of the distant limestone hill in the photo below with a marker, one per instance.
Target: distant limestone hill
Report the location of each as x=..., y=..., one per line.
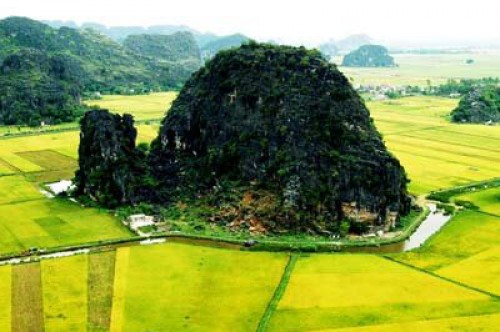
x=180, y=46
x=369, y=56
x=45, y=71
x=480, y=105
x=273, y=135
x=120, y=33
x=37, y=88
x=210, y=49
x=108, y=66
x=329, y=49
x=353, y=42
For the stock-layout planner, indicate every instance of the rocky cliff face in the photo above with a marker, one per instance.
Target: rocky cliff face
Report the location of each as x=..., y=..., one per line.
x=283, y=126
x=111, y=169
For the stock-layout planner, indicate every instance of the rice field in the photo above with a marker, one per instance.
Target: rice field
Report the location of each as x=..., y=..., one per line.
x=193, y=288
x=473, y=323
x=487, y=200
x=5, y=301
x=347, y=291
x=467, y=249
x=450, y=284
x=46, y=223
x=64, y=289
x=30, y=219
x=26, y=298
x=101, y=275
x=436, y=153
x=201, y=289
x=421, y=69
x=142, y=107
x=181, y=287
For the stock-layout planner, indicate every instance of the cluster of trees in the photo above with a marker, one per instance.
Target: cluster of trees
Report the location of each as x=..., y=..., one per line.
x=179, y=46
x=461, y=87
x=109, y=67
x=37, y=88
x=452, y=88
x=369, y=56
x=45, y=71
x=479, y=105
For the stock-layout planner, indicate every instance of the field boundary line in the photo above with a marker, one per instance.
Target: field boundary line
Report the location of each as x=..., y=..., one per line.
x=278, y=294
x=23, y=201
x=400, y=133
x=409, y=135
x=458, y=283
x=487, y=213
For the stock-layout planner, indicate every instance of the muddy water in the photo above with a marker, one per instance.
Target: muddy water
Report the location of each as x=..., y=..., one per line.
x=430, y=226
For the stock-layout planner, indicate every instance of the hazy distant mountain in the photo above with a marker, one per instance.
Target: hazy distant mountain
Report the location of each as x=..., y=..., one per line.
x=179, y=46
x=107, y=65
x=329, y=48
x=222, y=43
x=353, y=42
x=120, y=33
x=56, y=24
x=350, y=43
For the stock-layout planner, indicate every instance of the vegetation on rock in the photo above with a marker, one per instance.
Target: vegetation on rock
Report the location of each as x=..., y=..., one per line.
x=272, y=135
x=479, y=105
x=180, y=46
x=108, y=66
x=111, y=168
x=36, y=88
x=45, y=71
x=369, y=56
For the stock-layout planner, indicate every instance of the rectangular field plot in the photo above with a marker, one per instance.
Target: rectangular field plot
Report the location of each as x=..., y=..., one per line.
x=436, y=154
x=463, y=137
x=65, y=142
x=17, y=189
x=18, y=162
x=481, y=271
x=49, y=160
x=142, y=107
x=339, y=291
x=101, y=275
x=431, y=170
x=45, y=223
x=5, y=297
x=64, y=284
x=27, y=299
x=467, y=234
x=192, y=288
x=487, y=200
x=6, y=168
x=473, y=323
